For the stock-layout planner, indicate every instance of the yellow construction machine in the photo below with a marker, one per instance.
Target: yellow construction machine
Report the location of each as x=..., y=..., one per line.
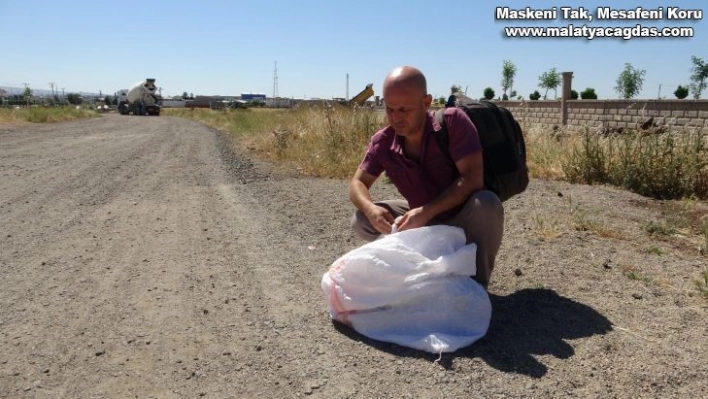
x=361, y=98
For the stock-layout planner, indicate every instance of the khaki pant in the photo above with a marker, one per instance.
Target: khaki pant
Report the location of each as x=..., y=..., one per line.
x=482, y=219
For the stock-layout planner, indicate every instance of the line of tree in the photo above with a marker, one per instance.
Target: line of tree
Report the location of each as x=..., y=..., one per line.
x=628, y=84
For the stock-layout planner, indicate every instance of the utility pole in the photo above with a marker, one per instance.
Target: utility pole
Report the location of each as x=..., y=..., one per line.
x=347, y=97
x=275, y=85
x=659, y=97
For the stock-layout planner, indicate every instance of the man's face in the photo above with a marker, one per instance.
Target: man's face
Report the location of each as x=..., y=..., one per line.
x=406, y=110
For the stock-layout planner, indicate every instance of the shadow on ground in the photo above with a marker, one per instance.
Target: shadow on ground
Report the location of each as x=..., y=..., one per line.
x=526, y=323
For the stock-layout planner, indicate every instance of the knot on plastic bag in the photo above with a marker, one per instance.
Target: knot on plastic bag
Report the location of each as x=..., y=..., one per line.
x=394, y=226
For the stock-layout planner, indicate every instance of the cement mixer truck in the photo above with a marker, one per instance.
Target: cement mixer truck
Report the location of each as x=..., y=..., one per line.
x=139, y=99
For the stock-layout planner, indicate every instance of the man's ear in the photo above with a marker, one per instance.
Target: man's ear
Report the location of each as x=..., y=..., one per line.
x=427, y=100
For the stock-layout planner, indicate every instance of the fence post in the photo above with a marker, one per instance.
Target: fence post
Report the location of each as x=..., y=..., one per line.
x=567, y=79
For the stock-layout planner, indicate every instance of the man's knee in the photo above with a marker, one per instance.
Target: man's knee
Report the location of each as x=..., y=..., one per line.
x=482, y=212
x=486, y=200
x=362, y=227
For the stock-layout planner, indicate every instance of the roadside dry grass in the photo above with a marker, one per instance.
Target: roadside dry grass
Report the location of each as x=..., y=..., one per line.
x=321, y=141
x=44, y=115
x=328, y=141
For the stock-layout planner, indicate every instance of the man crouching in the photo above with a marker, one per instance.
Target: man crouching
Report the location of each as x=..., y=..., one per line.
x=436, y=191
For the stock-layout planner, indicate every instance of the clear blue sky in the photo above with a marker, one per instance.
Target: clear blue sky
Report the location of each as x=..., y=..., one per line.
x=230, y=47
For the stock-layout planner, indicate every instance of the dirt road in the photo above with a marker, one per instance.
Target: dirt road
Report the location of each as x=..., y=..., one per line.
x=140, y=257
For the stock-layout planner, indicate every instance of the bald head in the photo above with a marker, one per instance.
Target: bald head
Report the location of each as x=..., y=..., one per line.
x=407, y=102
x=405, y=78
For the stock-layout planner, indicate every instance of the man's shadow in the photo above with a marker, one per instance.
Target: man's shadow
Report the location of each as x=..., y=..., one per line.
x=526, y=323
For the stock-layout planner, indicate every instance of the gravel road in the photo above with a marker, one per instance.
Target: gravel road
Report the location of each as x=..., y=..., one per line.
x=143, y=257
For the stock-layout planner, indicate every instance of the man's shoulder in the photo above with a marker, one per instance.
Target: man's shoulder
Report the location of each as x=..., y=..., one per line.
x=384, y=135
x=456, y=113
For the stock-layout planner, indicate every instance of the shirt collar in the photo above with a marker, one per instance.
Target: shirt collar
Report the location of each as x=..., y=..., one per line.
x=431, y=126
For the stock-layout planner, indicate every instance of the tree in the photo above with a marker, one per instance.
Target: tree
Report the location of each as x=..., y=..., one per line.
x=107, y=100
x=573, y=95
x=27, y=94
x=630, y=81
x=455, y=89
x=550, y=80
x=681, y=92
x=588, y=94
x=185, y=95
x=488, y=93
x=441, y=100
x=699, y=74
x=74, y=98
x=508, y=74
x=535, y=95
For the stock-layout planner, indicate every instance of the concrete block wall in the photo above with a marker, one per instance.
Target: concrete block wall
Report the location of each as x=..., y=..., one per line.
x=543, y=113
x=596, y=114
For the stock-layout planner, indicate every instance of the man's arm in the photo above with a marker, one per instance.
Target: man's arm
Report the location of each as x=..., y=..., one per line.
x=360, y=196
x=471, y=179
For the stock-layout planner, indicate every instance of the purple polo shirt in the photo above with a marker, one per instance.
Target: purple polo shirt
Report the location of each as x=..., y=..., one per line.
x=420, y=183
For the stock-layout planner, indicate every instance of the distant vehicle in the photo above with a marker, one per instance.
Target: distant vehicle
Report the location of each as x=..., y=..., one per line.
x=139, y=99
x=364, y=95
x=239, y=104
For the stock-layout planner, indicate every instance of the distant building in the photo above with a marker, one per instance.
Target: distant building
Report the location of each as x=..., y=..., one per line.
x=253, y=97
x=167, y=103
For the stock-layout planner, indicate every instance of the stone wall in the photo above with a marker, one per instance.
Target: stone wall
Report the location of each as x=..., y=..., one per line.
x=598, y=114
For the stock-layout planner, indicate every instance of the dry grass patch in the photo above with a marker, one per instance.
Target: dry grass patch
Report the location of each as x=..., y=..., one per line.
x=45, y=115
x=321, y=141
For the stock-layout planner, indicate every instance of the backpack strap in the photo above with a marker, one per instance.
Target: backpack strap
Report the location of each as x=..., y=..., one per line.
x=443, y=138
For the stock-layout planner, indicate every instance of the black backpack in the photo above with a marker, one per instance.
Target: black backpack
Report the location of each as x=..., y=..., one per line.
x=504, y=149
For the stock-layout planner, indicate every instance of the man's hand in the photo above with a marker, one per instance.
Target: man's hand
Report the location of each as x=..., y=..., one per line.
x=412, y=219
x=380, y=218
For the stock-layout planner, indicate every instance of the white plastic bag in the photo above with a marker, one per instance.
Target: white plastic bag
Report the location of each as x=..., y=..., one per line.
x=411, y=288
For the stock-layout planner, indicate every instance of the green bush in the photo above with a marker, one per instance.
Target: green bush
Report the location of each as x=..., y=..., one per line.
x=681, y=92
x=588, y=94
x=673, y=165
